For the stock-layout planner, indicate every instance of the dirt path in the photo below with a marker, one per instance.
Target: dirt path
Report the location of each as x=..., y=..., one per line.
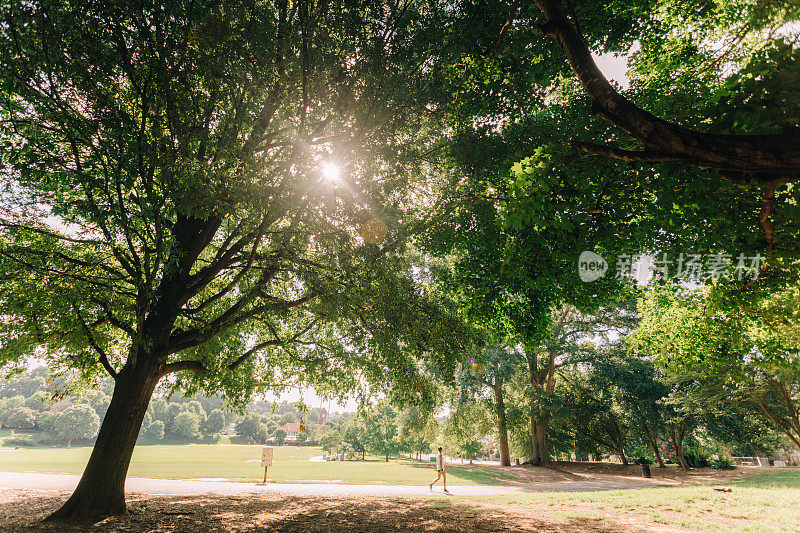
x=64, y=482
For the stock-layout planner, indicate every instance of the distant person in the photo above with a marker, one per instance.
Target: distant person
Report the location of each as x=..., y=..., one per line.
x=440, y=472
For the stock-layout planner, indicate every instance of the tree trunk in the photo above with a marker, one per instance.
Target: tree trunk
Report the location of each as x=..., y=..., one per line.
x=502, y=429
x=677, y=441
x=539, y=453
x=621, y=452
x=653, y=444
x=617, y=440
x=101, y=490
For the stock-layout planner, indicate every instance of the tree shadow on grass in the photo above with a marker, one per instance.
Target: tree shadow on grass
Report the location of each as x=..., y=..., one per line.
x=261, y=512
x=474, y=474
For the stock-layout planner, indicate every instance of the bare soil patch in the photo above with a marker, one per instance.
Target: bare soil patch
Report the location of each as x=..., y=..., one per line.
x=559, y=472
x=672, y=474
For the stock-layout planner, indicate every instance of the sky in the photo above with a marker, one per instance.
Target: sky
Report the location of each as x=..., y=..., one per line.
x=614, y=68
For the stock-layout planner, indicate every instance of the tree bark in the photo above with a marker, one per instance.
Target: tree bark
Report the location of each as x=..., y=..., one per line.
x=545, y=380
x=101, y=490
x=621, y=452
x=618, y=440
x=502, y=429
x=653, y=444
x=677, y=441
x=539, y=454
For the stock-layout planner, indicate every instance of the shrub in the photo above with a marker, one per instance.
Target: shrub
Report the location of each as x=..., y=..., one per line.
x=20, y=441
x=695, y=459
x=723, y=463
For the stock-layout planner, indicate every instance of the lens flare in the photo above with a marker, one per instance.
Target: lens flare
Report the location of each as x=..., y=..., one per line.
x=330, y=172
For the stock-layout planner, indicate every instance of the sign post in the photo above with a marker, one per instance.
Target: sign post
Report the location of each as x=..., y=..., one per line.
x=266, y=460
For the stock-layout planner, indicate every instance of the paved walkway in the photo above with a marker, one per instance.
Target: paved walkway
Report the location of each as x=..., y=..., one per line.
x=59, y=482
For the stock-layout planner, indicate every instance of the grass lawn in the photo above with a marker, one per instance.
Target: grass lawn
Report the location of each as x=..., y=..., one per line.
x=764, y=502
x=242, y=463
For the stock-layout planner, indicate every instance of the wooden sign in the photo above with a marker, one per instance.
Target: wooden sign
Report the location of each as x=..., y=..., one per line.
x=266, y=460
x=266, y=456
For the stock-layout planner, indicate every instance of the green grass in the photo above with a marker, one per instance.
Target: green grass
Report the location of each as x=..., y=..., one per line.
x=763, y=502
x=242, y=463
x=774, y=478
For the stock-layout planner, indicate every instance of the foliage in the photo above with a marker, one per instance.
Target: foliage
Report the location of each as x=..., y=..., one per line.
x=287, y=418
x=186, y=425
x=330, y=441
x=353, y=439
x=728, y=349
x=416, y=429
x=214, y=163
x=696, y=459
x=76, y=422
x=248, y=427
x=214, y=423
x=465, y=429
x=155, y=431
x=47, y=420
x=379, y=431
x=262, y=434
x=722, y=463
x=20, y=418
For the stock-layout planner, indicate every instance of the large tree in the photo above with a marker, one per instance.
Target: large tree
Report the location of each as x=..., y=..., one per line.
x=737, y=349
x=211, y=195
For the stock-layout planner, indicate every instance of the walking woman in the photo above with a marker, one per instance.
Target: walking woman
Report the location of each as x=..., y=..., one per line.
x=440, y=472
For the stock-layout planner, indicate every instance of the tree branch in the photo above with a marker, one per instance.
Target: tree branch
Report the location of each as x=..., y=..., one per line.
x=636, y=156
x=763, y=155
x=505, y=28
x=231, y=317
x=93, y=343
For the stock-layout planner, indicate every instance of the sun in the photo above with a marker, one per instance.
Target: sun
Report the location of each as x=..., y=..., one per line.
x=331, y=172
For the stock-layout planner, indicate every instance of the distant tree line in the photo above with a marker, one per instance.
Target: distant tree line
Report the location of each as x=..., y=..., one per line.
x=36, y=402
x=606, y=403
